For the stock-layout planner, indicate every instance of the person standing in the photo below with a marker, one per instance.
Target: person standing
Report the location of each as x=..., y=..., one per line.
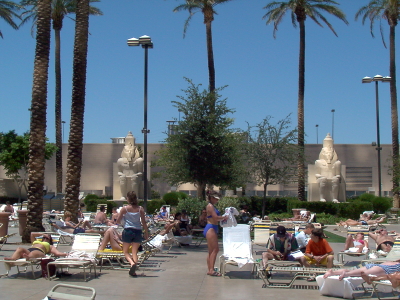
x=211, y=231
x=134, y=218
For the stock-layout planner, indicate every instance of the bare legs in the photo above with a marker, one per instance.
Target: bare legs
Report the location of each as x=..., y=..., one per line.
x=131, y=258
x=25, y=253
x=378, y=271
x=109, y=237
x=394, y=278
x=213, y=249
x=349, y=242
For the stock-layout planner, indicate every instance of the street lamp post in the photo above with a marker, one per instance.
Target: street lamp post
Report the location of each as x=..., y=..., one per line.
x=63, y=123
x=316, y=126
x=146, y=43
x=333, y=121
x=377, y=78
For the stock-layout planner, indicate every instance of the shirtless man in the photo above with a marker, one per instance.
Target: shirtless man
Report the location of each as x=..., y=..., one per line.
x=383, y=241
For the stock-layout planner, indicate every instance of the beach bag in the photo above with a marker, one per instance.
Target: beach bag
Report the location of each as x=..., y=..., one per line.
x=52, y=269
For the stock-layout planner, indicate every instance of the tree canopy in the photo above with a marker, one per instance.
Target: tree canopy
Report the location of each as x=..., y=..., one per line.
x=272, y=153
x=205, y=150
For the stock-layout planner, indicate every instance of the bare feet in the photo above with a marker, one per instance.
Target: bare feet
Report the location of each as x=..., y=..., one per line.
x=342, y=275
x=394, y=280
x=328, y=273
x=366, y=278
x=8, y=258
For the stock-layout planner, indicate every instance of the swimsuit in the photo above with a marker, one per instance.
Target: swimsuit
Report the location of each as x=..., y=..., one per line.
x=389, y=269
x=387, y=243
x=35, y=249
x=364, y=222
x=209, y=226
x=45, y=244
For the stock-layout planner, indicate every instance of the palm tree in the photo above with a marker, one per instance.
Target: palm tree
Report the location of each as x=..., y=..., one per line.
x=300, y=10
x=207, y=8
x=388, y=10
x=7, y=13
x=74, y=159
x=60, y=9
x=37, y=141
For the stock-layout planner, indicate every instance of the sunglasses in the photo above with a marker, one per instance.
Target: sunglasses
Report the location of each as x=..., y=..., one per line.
x=45, y=237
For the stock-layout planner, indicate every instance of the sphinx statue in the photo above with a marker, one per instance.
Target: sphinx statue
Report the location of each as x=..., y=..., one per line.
x=130, y=168
x=328, y=172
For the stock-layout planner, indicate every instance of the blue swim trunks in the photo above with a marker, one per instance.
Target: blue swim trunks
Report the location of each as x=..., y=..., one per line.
x=131, y=235
x=389, y=269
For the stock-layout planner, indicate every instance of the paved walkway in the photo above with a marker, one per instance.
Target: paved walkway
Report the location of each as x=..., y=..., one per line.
x=181, y=274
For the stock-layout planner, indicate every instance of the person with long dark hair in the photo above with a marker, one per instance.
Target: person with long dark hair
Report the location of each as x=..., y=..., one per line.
x=39, y=249
x=134, y=218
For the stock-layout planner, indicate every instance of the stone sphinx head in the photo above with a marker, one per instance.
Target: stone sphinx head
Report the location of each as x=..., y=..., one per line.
x=130, y=151
x=328, y=153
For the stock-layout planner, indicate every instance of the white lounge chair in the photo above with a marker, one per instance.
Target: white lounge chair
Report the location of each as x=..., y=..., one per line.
x=85, y=248
x=71, y=292
x=237, y=247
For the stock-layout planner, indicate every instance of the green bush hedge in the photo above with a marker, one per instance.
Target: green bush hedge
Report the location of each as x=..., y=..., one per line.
x=154, y=205
x=172, y=198
x=91, y=201
x=193, y=207
x=381, y=204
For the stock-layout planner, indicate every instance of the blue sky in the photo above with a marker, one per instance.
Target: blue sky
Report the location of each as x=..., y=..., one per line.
x=261, y=73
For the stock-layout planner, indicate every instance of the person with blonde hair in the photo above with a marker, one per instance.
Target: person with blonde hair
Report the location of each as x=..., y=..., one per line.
x=211, y=231
x=134, y=218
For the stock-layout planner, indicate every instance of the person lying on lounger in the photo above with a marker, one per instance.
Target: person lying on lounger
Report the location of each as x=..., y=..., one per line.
x=383, y=269
x=39, y=249
x=394, y=278
x=112, y=237
x=81, y=227
x=355, y=244
x=366, y=219
x=383, y=241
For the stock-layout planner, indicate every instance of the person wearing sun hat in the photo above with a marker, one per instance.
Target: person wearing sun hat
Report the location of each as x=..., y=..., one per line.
x=279, y=247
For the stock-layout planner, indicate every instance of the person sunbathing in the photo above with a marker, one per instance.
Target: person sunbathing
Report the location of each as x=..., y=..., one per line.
x=39, y=249
x=383, y=241
x=112, y=237
x=101, y=217
x=355, y=244
x=81, y=227
x=366, y=219
x=394, y=278
x=369, y=269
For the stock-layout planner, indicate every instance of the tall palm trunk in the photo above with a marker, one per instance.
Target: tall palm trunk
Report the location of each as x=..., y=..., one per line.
x=300, y=111
x=37, y=141
x=74, y=159
x=394, y=115
x=59, y=171
x=208, y=18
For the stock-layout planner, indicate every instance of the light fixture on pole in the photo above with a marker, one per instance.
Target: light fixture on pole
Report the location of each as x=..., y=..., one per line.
x=333, y=121
x=316, y=126
x=376, y=79
x=146, y=43
x=63, y=122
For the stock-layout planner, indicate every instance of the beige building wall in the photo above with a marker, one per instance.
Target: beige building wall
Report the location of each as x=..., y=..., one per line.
x=98, y=159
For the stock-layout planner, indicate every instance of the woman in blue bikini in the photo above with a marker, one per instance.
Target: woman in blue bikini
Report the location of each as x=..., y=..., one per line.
x=211, y=231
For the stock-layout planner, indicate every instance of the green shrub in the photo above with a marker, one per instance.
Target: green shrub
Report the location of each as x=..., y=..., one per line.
x=193, y=207
x=155, y=195
x=154, y=205
x=327, y=219
x=354, y=209
x=227, y=202
x=366, y=197
x=91, y=204
x=381, y=204
x=172, y=198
